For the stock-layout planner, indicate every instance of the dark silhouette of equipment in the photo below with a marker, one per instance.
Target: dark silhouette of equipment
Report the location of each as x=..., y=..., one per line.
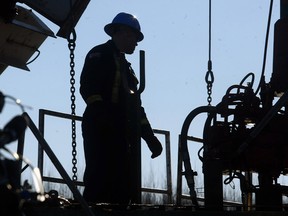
x=246, y=134
x=23, y=32
x=10, y=169
x=12, y=130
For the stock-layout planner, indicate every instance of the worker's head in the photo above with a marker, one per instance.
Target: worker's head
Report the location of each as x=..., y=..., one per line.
x=125, y=31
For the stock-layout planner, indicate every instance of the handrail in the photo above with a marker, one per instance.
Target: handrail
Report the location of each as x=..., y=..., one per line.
x=57, y=164
x=168, y=191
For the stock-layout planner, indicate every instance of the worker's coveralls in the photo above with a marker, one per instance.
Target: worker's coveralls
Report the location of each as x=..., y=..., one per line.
x=105, y=125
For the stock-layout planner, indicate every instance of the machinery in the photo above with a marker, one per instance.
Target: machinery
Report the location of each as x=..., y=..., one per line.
x=23, y=32
x=246, y=133
x=243, y=134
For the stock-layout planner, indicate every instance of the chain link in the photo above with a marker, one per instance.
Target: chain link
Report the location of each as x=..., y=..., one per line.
x=71, y=46
x=209, y=78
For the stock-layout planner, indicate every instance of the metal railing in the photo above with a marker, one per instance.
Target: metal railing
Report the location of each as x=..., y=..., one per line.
x=168, y=191
x=45, y=146
x=43, y=113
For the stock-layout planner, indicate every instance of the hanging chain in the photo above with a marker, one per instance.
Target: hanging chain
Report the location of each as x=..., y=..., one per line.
x=209, y=78
x=71, y=46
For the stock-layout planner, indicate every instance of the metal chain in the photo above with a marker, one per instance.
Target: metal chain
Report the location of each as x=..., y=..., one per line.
x=209, y=78
x=71, y=46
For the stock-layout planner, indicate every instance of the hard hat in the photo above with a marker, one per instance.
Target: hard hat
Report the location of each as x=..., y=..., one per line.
x=124, y=19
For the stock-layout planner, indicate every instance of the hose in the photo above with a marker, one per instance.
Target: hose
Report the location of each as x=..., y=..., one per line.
x=189, y=173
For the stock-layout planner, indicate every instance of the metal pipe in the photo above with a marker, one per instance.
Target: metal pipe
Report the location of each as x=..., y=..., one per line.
x=142, y=71
x=189, y=173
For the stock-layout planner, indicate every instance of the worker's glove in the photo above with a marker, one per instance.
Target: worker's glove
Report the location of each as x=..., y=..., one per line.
x=154, y=146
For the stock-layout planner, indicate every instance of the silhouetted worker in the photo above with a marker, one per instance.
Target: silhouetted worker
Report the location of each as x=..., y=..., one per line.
x=114, y=118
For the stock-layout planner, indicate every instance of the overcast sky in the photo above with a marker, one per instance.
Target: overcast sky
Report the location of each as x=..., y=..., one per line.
x=176, y=47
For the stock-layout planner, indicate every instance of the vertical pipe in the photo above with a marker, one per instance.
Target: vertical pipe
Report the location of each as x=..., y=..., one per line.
x=40, y=149
x=213, y=184
x=283, y=9
x=168, y=167
x=20, y=151
x=179, y=173
x=142, y=71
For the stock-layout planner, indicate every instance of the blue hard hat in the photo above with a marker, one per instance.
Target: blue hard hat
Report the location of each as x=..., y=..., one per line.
x=124, y=19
